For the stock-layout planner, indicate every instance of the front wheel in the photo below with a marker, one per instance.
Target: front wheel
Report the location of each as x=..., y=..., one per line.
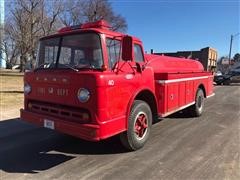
x=139, y=125
x=197, y=109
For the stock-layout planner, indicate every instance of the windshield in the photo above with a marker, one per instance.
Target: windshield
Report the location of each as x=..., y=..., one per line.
x=70, y=51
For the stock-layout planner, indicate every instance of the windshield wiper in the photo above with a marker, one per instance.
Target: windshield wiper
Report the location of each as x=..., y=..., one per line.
x=70, y=67
x=43, y=66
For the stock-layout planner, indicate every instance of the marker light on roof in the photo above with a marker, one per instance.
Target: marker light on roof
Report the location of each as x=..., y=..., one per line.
x=98, y=24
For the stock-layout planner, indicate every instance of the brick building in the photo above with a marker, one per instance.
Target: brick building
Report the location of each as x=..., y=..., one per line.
x=207, y=56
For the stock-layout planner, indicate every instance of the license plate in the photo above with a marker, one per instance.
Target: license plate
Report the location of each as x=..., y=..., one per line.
x=48, y=124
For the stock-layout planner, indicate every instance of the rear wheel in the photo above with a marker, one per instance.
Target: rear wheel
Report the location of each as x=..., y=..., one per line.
x=197, y=109
x=139, y=125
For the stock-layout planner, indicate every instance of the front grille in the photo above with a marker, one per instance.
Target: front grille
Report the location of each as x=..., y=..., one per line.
x=60, y=111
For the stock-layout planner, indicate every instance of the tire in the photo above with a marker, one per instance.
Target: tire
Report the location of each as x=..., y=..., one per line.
x=139, y=126
x=197, y=109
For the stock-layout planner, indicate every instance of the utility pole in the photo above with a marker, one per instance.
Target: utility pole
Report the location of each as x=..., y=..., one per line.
x=2, y=52
x=230, y=50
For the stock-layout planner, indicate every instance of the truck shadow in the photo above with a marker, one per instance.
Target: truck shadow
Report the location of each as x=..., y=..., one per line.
x=28, y=149
x=181, y=114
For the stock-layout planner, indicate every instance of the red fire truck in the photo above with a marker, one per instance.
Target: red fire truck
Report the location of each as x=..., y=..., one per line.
x=94, y=83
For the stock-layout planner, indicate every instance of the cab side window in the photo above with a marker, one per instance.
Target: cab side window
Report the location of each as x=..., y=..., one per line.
x=113, y=49
x=138, y=55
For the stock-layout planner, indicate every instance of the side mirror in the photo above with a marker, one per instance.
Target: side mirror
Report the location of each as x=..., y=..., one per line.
x=127, y=48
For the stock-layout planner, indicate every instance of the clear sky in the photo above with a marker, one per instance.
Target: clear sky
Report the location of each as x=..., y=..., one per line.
x=175, y=25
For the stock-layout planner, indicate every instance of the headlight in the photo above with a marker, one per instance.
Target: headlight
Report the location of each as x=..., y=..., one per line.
x=83, y=95
x=27, y=88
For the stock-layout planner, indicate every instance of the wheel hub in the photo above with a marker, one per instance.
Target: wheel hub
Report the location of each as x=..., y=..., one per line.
x=141, y=125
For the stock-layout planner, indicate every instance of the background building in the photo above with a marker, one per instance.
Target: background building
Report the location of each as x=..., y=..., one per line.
x=207, y=56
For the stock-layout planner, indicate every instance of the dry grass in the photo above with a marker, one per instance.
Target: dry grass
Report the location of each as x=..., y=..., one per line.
x=11, y=100
x=11, y=93
x=10, y=83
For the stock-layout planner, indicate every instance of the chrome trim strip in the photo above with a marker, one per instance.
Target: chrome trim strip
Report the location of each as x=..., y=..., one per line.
x=181, y=79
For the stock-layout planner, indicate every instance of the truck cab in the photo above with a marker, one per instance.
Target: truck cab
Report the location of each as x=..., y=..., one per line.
x=94, y=83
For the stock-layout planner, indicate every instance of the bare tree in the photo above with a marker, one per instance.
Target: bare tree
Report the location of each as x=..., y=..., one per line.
x=71, y=14
x=31, y=19
x=9, y=47
x=50, y=11
x=77, y=12
x=23, y=28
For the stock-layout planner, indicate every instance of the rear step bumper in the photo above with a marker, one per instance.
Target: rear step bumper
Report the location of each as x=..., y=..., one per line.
x=88, y=132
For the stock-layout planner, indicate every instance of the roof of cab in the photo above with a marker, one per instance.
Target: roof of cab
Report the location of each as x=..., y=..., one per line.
x=101, y=27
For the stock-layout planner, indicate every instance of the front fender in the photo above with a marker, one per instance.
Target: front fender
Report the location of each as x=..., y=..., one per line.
x=139, y=91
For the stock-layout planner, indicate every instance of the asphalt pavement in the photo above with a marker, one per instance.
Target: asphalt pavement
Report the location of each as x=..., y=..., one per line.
x=180, y=147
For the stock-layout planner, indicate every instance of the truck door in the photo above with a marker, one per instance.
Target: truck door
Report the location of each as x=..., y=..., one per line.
x=124, y=74
x=120, y=81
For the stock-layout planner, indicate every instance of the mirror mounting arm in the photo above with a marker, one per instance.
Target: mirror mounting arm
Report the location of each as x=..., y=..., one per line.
x=139, y=67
